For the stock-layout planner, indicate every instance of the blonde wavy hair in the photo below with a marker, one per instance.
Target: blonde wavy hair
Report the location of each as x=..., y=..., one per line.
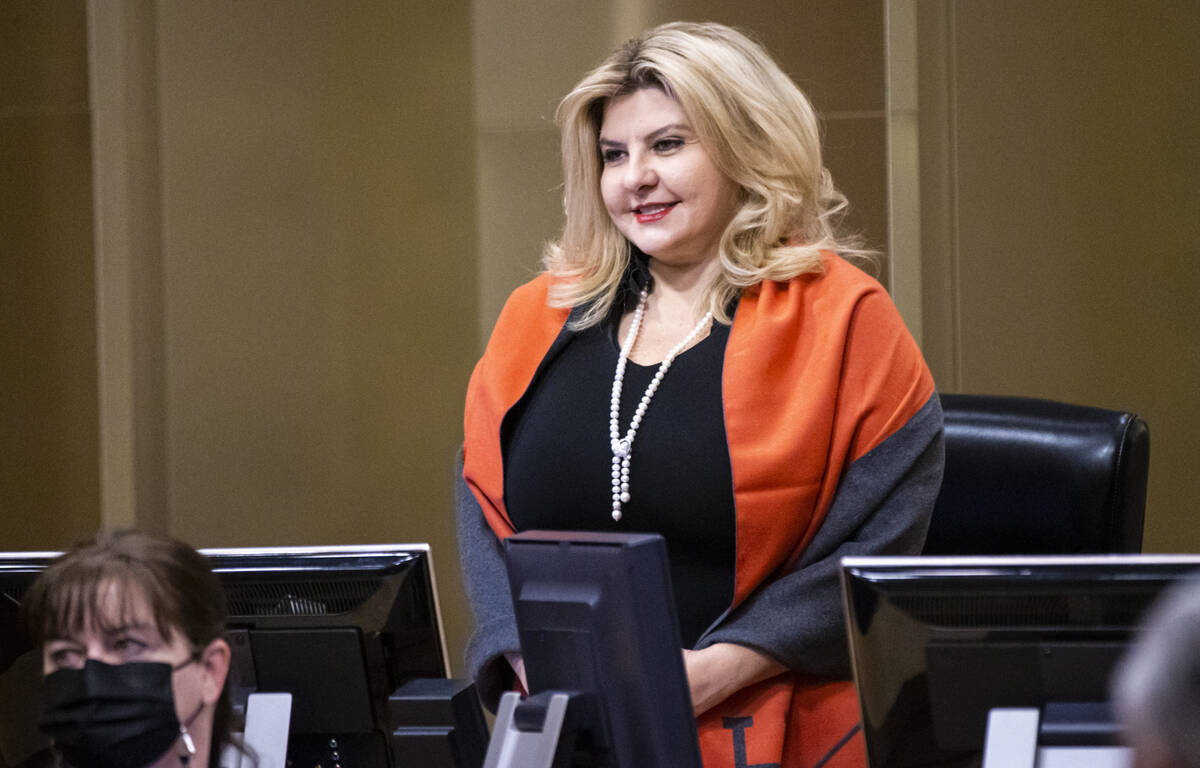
x=758, y=128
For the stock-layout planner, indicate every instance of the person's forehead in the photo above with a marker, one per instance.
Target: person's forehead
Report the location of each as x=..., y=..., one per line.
x=647, y=103
x=116, y=606
x=122, y=601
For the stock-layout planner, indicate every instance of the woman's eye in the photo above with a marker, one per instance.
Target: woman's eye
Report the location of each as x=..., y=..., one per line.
x=128, y=646
x=610, y=156
x=66, y=657
x=668, y=145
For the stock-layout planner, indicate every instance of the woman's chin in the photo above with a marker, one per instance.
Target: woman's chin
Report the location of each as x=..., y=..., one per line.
x=678, y=260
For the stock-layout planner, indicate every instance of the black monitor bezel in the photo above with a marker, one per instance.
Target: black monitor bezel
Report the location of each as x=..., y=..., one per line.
x=371, y=626
x=627, y=609
x=900, y=694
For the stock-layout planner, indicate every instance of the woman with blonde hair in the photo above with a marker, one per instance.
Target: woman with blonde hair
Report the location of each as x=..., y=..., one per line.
x=700, y=360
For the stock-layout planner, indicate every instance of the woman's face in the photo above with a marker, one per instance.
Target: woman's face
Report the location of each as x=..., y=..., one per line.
x=124, y=632
x=661, y=188
x=120, y=633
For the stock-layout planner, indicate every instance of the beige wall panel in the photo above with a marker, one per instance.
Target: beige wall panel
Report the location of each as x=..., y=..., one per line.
x=122, y=47
x=1076, y=145
x=935, y=184
x=833, y=49
x=856, y=155
x=528, y=55
x=320, y=276
x=520, y=183
x=49, y=485
x=43, y=54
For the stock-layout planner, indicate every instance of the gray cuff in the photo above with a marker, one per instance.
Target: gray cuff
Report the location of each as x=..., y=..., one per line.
x=486, y=580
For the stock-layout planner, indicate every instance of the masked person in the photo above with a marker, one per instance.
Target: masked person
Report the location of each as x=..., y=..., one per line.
x=131, y=629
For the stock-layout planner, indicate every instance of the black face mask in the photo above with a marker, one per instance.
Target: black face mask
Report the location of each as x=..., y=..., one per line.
x=111, y=716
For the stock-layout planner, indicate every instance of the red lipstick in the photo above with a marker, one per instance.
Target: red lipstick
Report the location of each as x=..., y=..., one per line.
x=650, y=213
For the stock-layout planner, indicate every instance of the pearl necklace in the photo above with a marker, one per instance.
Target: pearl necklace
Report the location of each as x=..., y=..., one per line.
x=623, y=447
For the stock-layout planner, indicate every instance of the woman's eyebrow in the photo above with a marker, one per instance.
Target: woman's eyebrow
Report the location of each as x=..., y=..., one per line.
x=655, y=134
x=683, y=127
x=123, y=628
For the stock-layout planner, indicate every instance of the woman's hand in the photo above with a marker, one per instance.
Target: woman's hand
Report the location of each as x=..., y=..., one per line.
x=717, y=672
x=517, y=662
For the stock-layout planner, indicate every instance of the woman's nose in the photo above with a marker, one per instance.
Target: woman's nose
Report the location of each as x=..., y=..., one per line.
x=640, y=173
x=99, y=652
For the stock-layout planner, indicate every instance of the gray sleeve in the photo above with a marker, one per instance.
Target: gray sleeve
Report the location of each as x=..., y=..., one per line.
x=494, y=630
x=882, y=507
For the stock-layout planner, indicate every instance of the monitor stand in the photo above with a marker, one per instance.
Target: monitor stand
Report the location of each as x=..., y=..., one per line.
x=268, y=719
x=539, y=731
x=1016, y=736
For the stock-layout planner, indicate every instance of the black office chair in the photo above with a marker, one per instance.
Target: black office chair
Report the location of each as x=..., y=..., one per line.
x=1026, y=476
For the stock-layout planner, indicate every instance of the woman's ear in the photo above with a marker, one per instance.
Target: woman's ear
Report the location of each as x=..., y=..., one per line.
x=214, y=662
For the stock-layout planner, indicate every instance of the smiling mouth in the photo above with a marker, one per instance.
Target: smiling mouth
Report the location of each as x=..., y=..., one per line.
x=654, y=212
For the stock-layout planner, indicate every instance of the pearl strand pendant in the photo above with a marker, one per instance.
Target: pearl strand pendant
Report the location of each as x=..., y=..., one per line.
x=622, y=447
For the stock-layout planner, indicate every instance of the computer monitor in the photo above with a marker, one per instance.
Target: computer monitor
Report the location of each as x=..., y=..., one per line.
x=21, y=744
x=340, y=628
x=596, y=619
x=937, y=642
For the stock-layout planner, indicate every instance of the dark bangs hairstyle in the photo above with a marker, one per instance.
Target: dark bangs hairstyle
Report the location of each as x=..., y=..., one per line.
x=176, y=581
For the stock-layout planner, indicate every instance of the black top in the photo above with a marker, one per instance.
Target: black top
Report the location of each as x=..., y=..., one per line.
x=558, y=464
